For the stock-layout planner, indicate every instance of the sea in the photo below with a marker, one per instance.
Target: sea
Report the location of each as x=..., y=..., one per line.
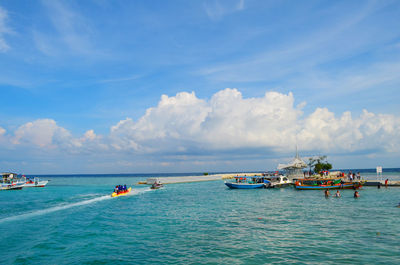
x=74, y=220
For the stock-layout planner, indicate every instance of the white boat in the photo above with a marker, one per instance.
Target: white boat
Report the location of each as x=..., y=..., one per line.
x=279, y=181
x=35, y=182
x=9, y=181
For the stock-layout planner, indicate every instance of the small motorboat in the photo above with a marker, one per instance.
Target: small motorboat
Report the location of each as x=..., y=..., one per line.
x=279, y=181
x=121, y=192
x=244, y=185
x=156, y=186
x=36, y=182
x=244, y=182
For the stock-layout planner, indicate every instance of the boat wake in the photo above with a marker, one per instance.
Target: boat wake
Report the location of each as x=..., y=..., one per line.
x=65, y=206
x=53, y=209
x=137, y=192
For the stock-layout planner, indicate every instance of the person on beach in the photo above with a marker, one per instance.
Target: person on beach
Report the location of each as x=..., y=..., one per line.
x=327, y=194
x=337, y=194
x=386, y=182
x=356, y=194
x=358, y=175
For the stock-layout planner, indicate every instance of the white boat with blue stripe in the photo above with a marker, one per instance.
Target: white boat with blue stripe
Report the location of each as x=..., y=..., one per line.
x=245, y=182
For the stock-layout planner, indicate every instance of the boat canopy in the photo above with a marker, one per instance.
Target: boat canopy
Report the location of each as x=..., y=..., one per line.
x=8, y=176
x=297, y=163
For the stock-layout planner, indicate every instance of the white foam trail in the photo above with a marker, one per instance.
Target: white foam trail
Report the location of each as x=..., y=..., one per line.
x=54, y=209
x=67, y=206
x=136, y=192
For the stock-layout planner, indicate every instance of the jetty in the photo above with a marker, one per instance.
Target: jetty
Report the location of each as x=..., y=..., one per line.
x=391, y=183
x=187, y=179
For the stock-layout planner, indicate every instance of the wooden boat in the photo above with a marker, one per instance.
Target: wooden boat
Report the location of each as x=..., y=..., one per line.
x=244, y=182
x=121, y=193
x=323, y=184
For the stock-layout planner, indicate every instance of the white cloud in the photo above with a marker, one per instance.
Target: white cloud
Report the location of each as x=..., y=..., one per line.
x=44, y=133
x=4, y=29
x=184, y=127
x=228, y=121
x=323, y=131
x=90, y=135
x=173, y=121
x=216, y=9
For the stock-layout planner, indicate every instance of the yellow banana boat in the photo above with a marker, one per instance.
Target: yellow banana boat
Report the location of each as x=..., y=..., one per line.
x=121, y=193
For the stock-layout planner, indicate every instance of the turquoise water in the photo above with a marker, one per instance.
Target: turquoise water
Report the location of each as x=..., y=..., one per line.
x=74, y=221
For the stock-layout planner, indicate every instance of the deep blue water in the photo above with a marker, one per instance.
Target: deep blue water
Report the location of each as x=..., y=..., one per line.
x=74, y=221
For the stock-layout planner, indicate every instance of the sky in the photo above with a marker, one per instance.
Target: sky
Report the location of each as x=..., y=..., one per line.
x=124, y=86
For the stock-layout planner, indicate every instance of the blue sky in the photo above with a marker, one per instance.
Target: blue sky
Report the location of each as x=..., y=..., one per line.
x=82, y=84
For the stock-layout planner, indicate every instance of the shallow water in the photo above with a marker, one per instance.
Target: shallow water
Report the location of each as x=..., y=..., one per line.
x=74, y=221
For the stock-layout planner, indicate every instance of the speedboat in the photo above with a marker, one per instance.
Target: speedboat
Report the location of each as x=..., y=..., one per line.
x=244, y=182
x=156, y=186
x=36, y=182
x=279, y=181
x=121, y=193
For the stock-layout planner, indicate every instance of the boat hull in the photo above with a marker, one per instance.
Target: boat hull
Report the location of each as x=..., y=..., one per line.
x=121, y=193
x=244, y=185
x=39, y=184
x=13, y=186
x=280, y=185
x=329, y=187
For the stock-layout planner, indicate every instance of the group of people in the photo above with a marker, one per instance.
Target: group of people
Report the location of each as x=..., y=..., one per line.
x=120, y=189
x=337, y=194
x=352, y=176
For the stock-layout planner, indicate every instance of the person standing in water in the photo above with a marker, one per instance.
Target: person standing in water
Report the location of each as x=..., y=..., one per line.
x=356, y=194
x=337, y=194
x=327, y=194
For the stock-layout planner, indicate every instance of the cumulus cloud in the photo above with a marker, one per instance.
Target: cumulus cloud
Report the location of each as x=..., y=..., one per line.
x=323, y=131
x=41, y=133
x=174, y=123
x=237, y=122
x=185, y=126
